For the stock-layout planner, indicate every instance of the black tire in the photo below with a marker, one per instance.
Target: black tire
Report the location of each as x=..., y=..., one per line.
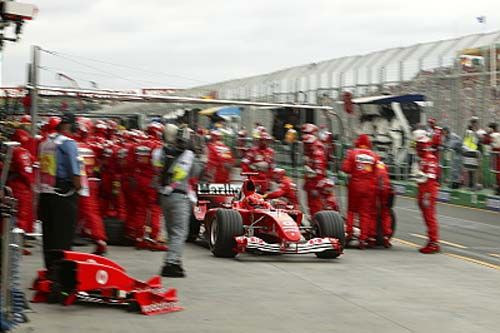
x=115, y=231
x=194, y=229
x=133, y=306
x=226, y=225
x=329, y=223
x=380, y=233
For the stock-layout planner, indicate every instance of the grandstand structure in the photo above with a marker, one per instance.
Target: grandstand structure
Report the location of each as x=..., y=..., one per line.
x=459, y=76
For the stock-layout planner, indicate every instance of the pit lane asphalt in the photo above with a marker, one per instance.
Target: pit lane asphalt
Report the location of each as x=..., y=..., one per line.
x=465, y=232
x=396, y=290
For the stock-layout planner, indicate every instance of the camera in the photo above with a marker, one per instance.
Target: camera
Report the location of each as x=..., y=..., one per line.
x=16, y=11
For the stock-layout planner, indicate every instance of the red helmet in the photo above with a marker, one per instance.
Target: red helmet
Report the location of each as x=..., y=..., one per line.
x=256, y=201
x=53, y=123
x=279, y=173
x=363, y=141
x=101, y=128
x=26, y=119
x=85, y=122
x=309, y=139
x=83, y=127
x=21, y=136
x=326, y=185
x=112, y=125
x=155, y=129
x=309, y=128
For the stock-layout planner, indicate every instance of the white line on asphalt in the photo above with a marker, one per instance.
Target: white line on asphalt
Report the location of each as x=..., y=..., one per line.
x=441, y=241
x=495, y=255
x=453, y=255
x=451, y=218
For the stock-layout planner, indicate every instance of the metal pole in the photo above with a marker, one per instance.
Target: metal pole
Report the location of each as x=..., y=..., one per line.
x=35, y=58
x=5, y=294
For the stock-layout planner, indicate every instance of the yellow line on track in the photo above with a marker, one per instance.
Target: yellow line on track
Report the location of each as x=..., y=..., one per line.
x=475, y=261
x=410, y=244
x=495, y=255
x=456, y=256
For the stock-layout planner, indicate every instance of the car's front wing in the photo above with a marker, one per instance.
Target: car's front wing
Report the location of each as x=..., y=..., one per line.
x=314, y=245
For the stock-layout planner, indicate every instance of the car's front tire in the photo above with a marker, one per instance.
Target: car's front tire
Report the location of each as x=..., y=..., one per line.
x=329, y=224
x=226, y=225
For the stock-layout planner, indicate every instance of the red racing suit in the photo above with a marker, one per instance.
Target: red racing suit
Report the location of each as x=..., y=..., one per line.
x=316, y=164
x=260, y=160
x=142, y=191
x=360, y=164
x=436, y=135
x=21, y=181
x=287, y=190
x=428, y=189
x=88, y=206
x=384, y=194
x=112, y=201
x=126, y=204
x=327, y=195
x=326, y=138
x=219, y=164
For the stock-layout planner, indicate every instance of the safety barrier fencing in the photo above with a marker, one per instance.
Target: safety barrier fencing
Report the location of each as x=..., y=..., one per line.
x=12, y=299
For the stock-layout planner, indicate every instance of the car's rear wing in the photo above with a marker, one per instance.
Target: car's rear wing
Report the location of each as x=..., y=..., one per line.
x=210, y=189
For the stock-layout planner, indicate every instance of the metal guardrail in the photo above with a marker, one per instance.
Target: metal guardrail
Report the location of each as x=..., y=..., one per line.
x=12, y=302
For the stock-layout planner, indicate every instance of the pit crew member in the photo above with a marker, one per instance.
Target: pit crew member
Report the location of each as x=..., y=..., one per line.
x=360, y=164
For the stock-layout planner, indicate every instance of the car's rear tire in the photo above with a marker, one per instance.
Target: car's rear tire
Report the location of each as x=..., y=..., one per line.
x=226, y=225
x=194, y=229
x=329, y=224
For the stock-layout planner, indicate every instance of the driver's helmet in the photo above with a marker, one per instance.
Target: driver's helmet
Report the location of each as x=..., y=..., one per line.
x=255, y=200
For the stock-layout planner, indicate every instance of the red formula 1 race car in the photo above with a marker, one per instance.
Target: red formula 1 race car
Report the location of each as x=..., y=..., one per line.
x=83, y=277
x=251, y=224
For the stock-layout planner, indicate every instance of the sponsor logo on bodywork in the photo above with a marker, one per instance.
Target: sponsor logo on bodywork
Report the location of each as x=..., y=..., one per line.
x=219, y=189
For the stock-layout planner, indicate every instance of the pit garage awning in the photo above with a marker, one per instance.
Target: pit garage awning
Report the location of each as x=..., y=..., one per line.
x=388, y=99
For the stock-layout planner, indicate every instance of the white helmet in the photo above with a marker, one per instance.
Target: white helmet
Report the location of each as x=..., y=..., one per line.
x=170, y=133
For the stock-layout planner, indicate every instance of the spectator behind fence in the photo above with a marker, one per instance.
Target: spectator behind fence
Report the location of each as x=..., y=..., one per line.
x=453, y=143
x=493, y=139
x=471, y=153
